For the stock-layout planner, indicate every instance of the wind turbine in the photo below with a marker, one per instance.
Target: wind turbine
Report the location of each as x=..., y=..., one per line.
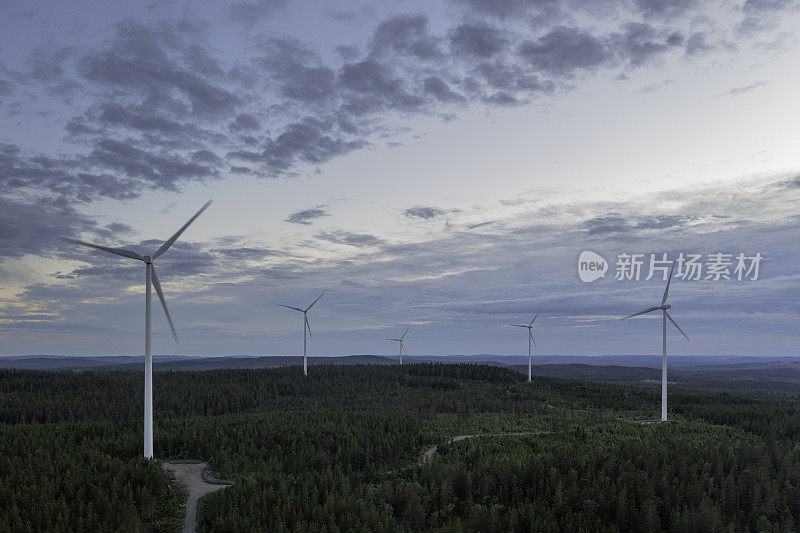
x=306, y=327
x=664, y=316
x=402, y=346
x=530, y=339
x=150, y=279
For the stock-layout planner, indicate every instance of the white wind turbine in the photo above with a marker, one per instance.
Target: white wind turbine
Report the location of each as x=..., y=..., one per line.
x=402, y=346
x=150, y=279
x=306, y=327
x=530, y=339
x=665, y=315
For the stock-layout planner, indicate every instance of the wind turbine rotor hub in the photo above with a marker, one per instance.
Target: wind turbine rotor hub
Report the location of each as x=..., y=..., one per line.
x=148, y=259
x=666, y=306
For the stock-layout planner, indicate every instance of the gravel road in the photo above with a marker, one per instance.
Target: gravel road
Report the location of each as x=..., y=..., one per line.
x=191, y=474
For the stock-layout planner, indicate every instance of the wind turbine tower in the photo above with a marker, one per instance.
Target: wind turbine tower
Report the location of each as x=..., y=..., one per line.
x=306, y=328
x=402, y=346
x=151, y=279
x=530, y=339
x=664, y=317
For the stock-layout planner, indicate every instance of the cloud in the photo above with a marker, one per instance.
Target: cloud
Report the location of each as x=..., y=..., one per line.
x=423, y=212
x=350, y=239
x=640, y=43
x=565, y=50
x=405, y=34
x=697, y=44
x=162, y=108
x=441, y=91
x=245, y=122
x=297, y=70
x=307, y=216
x=478, y=40
x=736, y=91
x=309, y=141
x=34, y=227
x=158, y=61
x=502, y=9
x=251, y=13
x=666, y=8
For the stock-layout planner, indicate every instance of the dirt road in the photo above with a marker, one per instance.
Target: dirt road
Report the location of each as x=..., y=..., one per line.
x=192, y=475
x=428, y=454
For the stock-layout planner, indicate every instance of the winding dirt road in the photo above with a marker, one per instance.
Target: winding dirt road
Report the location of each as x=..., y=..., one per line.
x=428, y=454
x=191, y=474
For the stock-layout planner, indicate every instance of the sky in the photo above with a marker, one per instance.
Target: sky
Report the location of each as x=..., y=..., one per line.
x=438, y=165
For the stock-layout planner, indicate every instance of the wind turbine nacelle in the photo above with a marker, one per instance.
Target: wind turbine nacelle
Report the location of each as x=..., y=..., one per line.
x=666, y=306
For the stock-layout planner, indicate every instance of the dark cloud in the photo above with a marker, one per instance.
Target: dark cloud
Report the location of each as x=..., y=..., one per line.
x=665, y=8
x=6, y=88
x=512, y=78
x=565, y=50
x=423, y=212
x=247, y=253
x=614, y=223
x=161, y=104
x=441, y=91
x=307, y=216
x=34, y=227
x=478, y=40
x=746, y=88
x=158, y=61
x=502, y=9
x=640, y=43
x=697, y=44
x=245, y=122
x=163, y=171
x=310, y=141
x=350, y=239
x=297, y=70
x=374, y=87
x=503, y=98
x=115, y=114
x=405, y=34
x=251, y=13
x=62, y=178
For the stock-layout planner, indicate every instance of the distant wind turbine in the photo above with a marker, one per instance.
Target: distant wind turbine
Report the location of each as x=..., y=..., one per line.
x=402, y=346
x=530, y=339
x=306, y=327
x=150, y=279
x=665, y=315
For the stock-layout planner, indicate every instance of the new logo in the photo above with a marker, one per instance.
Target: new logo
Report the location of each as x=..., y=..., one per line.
x=591, y=266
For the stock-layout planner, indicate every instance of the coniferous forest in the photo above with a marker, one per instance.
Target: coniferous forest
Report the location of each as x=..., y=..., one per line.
x=340, y=451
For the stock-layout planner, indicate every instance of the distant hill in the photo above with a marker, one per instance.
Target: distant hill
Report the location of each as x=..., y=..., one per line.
x=165, y=363
x=766, y=374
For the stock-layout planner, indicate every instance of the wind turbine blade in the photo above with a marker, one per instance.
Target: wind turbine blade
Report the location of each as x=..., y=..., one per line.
x=676, y=325
x=649, y=309
x=402, y=347
x=164, y=247
x=534, y=318
x=157, y=287
x=315, y=301
x=290, y=307
x=666, y=290
x=403, y=336
x=518, y=325
x=118, y=251
x=308, y=325
x=532, y=339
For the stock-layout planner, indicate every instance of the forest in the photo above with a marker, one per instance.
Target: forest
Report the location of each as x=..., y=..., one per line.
x=340, y=451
